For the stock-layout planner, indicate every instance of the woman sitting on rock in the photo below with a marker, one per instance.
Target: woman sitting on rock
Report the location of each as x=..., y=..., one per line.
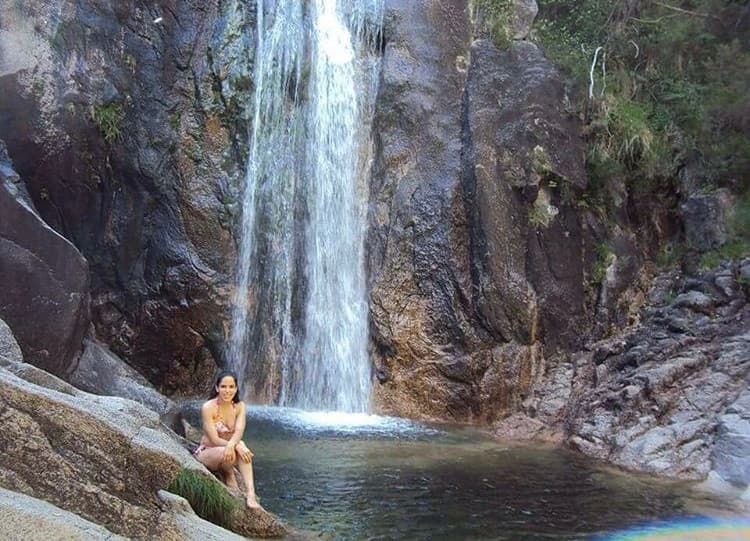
x=223, y=425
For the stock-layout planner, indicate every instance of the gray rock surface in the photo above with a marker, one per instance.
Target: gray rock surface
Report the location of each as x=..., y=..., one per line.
x=659, y=398
x=9, y=349
x=731, y=454
x=704, y=216
x=25, y=517
x=100, y=371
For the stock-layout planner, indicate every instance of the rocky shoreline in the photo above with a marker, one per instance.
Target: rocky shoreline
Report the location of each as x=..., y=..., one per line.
x=669, y=395
x=101, y=463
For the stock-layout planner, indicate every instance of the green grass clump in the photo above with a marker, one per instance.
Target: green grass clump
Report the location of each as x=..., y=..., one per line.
x=208, y=498
x=496, y=16
x=108, y=118
x=604, y=258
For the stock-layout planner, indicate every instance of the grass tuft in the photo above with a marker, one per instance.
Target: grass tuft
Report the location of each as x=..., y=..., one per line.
x=208, y=498
x=108, y=118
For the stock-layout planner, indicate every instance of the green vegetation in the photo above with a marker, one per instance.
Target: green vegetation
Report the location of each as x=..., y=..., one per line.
x=541, y=215
x=670, y=86
x=108, y=118
x=207, y=496
x=670, y=255
x=496, y=16
x=604, y=258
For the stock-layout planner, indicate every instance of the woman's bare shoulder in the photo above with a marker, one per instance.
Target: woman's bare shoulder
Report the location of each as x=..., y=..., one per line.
x=209, y=405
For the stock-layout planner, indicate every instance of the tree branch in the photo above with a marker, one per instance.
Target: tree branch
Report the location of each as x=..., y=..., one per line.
x=684, y=11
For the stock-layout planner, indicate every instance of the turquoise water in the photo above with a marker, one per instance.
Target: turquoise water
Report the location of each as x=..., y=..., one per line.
x=365, y=477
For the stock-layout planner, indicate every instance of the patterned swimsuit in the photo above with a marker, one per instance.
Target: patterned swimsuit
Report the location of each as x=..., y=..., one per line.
x=223, y=431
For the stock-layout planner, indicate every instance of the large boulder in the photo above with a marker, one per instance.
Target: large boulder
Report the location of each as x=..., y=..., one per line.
x=26, y=517
x=102, y=458
x=100, y=371
x=45, y=297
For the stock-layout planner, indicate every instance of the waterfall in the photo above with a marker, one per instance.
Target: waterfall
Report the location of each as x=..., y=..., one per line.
x=299, y=324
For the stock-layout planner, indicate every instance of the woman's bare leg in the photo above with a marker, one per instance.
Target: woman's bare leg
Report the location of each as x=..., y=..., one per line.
x=213, y=459
x=227, y=471
x=246, y=469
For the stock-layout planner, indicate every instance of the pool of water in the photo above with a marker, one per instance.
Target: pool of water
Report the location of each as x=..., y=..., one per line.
x=369, y=477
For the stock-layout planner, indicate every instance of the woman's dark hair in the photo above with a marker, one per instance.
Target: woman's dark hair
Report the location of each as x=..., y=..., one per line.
x=224, y=373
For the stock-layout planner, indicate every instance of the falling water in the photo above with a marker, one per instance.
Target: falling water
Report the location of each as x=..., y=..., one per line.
x=299, y=325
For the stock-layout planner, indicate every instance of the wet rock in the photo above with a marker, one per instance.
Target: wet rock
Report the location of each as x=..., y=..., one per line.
x=46, y=297
x=527, y=271
x=417, y=238
x=519, y=427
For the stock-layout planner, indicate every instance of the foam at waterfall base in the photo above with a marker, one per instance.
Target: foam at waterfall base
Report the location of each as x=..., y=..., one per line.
x=338, y=423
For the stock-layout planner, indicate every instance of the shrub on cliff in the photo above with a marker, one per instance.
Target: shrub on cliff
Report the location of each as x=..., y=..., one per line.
x=668, y=86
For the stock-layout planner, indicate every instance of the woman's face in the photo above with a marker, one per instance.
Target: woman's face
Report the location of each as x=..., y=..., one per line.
x=227, y=388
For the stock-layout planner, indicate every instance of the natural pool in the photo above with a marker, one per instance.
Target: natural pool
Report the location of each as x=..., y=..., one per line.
x=367, y=477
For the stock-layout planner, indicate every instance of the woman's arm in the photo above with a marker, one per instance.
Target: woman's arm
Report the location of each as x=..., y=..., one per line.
x=239, y=430
x=239, y=424
x=209, y=428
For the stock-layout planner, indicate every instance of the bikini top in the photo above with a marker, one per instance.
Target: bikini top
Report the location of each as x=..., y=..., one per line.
x=223, y=431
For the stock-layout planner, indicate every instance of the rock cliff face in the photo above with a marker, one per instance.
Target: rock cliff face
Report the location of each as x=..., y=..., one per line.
x=477, y=255
x=117, y=116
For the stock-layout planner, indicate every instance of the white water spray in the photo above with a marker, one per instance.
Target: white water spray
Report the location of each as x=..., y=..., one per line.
x=299, y=325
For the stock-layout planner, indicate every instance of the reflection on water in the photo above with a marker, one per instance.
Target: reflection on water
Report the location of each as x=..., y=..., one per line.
x=737, y=529
x=368, y=477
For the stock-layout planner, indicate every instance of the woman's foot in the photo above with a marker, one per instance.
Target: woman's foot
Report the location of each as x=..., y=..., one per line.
x=252, y=502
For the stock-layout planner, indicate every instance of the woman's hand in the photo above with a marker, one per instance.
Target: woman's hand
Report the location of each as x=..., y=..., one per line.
x=228, y=453
x=243, y=452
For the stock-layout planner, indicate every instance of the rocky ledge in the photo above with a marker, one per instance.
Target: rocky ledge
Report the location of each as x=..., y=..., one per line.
x=668, y=396
x=105, y=460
